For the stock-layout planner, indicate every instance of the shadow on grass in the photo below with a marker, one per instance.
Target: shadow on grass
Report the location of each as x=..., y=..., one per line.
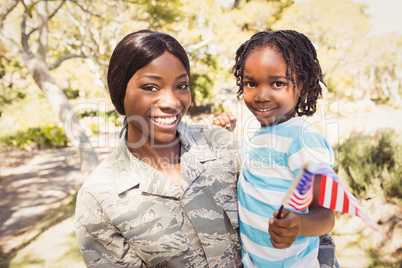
x=51, y=219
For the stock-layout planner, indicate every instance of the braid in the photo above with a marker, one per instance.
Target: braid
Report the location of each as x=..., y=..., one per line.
x=301, y=60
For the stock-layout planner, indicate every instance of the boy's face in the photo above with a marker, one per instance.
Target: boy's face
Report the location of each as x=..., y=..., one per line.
x=267, y=93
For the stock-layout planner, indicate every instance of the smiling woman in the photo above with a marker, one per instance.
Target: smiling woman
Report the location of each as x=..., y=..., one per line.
x=157, y=95
x=167, y=196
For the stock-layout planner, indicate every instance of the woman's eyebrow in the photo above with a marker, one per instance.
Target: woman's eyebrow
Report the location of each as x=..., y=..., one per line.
x=151, y=76
x=181, y=76
x=157, y=77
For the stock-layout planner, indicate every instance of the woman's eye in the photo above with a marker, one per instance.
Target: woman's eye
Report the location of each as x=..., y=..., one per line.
x=250, y=84
x=183, y=86
x=150, y=88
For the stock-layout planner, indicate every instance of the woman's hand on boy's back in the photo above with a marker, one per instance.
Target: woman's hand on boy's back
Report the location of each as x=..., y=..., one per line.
x=284, y=231
x=226, y=120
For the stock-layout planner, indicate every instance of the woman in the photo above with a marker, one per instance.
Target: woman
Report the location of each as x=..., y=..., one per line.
x=167, y=196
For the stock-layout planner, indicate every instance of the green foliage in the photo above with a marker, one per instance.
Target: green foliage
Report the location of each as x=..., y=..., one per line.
x=370, y=161
x=204, y=69
x=41, y=137
x=71, y=93
x=201, y=86
x=163, y=12
x=12, y=78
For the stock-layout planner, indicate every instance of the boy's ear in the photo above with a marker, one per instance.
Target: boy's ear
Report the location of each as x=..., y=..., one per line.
x=299, y=85
x=299, y=88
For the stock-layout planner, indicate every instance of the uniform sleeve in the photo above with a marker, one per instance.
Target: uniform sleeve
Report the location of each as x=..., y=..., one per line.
x=100, y=242
x=309, y=147
x=232, y=143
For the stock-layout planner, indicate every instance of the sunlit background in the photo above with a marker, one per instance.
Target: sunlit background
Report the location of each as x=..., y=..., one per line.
x=53, y=103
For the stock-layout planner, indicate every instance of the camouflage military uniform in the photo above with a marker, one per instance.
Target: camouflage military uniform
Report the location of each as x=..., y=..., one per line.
x=130, y=215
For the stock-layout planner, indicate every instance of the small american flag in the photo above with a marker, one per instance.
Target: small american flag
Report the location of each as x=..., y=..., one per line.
x=333, y=194
x=301, y=195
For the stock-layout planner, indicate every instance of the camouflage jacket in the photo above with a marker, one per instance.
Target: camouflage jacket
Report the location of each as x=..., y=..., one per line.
x=130, y=215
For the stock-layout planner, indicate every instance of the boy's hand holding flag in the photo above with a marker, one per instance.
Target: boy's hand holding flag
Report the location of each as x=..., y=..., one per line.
x=333, y=194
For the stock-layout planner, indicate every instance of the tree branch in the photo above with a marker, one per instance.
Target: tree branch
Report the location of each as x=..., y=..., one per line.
x=41, y=10
x=50, y=17
x=4, y=36
x=5, y=10
x=24, y=36
x=85, y=10
x=64, y=58
x=236, y=4
x=56, y=10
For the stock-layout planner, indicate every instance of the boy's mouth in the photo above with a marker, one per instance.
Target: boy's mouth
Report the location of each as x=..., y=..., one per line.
x=265, y=110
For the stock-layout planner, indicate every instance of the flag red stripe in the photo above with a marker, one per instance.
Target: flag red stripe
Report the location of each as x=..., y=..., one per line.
x=302, y=197
x=303, y=201
x=345, y=203
x=300, y=203
x=334, y=196
x=322, y=190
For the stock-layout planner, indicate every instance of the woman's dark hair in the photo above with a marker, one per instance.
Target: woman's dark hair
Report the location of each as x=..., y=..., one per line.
x=300, y=57
x=132, y=53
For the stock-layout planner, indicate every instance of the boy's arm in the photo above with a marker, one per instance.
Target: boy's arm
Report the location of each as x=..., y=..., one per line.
x=317, y=222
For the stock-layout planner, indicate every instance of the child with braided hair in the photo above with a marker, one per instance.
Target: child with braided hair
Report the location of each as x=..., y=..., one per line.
x=279, y=76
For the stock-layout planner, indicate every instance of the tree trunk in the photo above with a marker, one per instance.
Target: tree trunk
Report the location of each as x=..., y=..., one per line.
x=59, y=102
x=40, y=72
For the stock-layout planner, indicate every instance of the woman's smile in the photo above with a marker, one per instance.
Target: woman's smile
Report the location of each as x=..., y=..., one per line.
x=165, y=121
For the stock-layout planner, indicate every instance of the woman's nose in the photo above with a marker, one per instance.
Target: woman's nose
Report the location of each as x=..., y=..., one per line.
x=169, y=100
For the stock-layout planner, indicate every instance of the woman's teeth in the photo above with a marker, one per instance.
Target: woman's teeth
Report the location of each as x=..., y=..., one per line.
x=164, y=120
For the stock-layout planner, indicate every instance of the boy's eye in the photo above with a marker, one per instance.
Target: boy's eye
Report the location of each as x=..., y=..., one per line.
x=150, y=88
x=250, y=84
x=279, y=84
x=183, y=86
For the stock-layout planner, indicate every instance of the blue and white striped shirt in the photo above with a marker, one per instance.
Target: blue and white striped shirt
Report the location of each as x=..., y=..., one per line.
x=272, y=157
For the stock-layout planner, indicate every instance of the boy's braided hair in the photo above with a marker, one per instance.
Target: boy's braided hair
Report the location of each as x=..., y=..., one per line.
x=300, y=57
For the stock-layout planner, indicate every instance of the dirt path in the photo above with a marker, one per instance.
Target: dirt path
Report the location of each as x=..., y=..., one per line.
x=32, y=183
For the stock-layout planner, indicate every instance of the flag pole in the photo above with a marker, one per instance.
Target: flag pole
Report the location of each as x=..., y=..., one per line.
x=279, y=213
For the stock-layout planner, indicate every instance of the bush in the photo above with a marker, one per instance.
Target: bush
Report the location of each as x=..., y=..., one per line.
x=369, y=161
x=41, y=137
x=109, y=116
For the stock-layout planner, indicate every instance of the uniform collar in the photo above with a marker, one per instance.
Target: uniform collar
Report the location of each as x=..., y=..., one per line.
x=195, y=150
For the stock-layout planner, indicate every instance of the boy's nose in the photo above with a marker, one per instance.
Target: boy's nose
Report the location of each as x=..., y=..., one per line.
x=263, y=95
